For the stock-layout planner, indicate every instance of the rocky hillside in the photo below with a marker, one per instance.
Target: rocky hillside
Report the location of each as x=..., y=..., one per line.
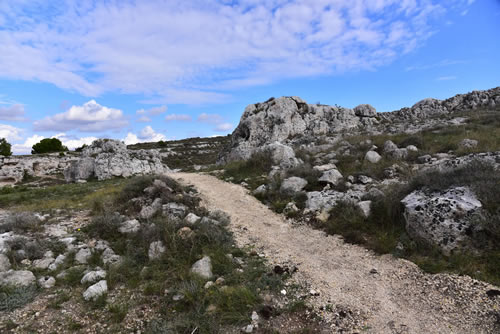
x=420, y=182
x=290, y=120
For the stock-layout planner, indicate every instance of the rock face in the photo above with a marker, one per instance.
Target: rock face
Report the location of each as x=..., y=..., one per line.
x=279, y=120
x=287, y=120
x=107, y=158
x=444, y=219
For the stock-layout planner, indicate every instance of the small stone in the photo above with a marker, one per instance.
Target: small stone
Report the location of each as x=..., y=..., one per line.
x=47, y=282
x=372, y=157
x=129, y=226
x=220, y=281
x=365, y=207
x=156, y=249
x=83, y=255
x=374, y=271
x=96, y=290
x=191, y=219
x=209, y=284
x=255, y=318
x=4, y=263
x=93, y=276
x=248, y=329
x=283, y=292
x=412, y=148
x=178, y=297
x=203, y=267
x=185, y=233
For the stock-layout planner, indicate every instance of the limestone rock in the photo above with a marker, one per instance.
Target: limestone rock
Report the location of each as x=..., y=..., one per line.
x=365, y=207
x=260, y=190
x=93, y=276
x=293, y=185
x=444, y=219
x=191, y=219
x=281, y=155
x=365, y=110
x=203, y=267
x=47, y=282
x=95, y=291
x=83, y=255
x=156, y=249
x=129, y=226
x=149, y=211
x=4, y=263
x=332, y=176
x=372, y=157
x=185, y=233
x=468, y=143
x=109, y=257
x=175, y=210
x=82, y=169
x=19, y=278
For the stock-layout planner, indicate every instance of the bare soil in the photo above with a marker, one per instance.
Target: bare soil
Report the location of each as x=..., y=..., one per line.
x=378, y=294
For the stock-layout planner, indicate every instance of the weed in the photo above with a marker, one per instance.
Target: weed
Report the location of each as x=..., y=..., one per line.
x=118, y=312
x=12, y=298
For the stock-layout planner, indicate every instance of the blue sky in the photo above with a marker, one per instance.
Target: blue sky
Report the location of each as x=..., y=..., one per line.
x=152, y=70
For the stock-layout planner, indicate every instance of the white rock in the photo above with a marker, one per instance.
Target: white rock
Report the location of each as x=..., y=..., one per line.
x=18, y=278
x=372, y=157
x=332, y=176
x=4, y=262
x=156, y=249
x=83, y=255
x=109, y=257
x=260, y=190
x=95, y=291
x=293, y=185
x=324, y=168
x=93, y=276
x=203, y=267
x=47, y=282
x=43, y=263
x=412, y=148
x=57, y=262
x=191, y=219
x=129, y=226
x=365, y=207
x=150, y=210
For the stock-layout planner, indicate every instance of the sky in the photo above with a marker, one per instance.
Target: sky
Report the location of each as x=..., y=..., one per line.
x=151, y=70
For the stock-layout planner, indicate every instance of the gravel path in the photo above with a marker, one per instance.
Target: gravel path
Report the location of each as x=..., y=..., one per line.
x=384, y=294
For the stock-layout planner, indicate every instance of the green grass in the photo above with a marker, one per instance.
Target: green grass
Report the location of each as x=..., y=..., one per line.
x=65, y=196
x=253, y=171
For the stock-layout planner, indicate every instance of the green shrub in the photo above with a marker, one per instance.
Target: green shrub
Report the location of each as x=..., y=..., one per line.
x=257, y=165
x=104, y=227
x=21, y=222
x=15, y=297
x=5, y=148
x=48, y=145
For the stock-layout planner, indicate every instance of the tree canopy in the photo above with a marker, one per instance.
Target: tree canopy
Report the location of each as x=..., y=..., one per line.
x=48, y=145
x=5, y=147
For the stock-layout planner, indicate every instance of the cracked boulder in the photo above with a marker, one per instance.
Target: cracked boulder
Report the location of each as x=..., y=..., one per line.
x=443, y=218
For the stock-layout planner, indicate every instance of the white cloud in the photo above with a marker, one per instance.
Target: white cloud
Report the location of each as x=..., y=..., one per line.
x=223, y=127
x=209, y=118
x=187, y=51
x=178, y=117
x=153, y=111
x=72, y=142
x=446, y=78
x=10, y=132
x=90, y=117
x=12, y=113
x=147, y=134
x=144, y=119
x=25, y=148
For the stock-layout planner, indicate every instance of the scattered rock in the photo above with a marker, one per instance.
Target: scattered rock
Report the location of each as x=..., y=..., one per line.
x=17, y=278
x=185, y=233
x=93, y=276
x=412, y=148
x=129, y=226
x=332, y=176
x=260, y=190
x=365, y=207
x=293, y=185
x=192, y=219
x=109, y=257
x=149, y=211
x=95, y=291
x=203, y=267
x=83, y=255
x=468, y=143
x=156, y=249
x=4, y=263
x=372, y=157
x=47, y=282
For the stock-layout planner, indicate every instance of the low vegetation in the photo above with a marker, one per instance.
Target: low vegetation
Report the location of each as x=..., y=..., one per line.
x=5, y=148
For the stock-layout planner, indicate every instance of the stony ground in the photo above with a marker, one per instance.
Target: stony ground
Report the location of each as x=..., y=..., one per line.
x=356, y=289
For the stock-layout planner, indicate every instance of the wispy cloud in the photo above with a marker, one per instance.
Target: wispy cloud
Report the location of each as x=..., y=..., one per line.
x=9, y=132
x=178, y=117
x=446, y=78
x=442, y=63
x=198, y=51
x=12, y=113
x=223, y=127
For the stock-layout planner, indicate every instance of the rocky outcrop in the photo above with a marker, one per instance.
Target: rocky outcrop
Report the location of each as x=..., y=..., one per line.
x=443, y=218
x=107, y=158
x=290, y=120
x=281, y=120
x=13, y=169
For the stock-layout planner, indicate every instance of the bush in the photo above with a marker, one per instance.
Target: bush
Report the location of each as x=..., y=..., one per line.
x=48, y=145
x=15, y=297
x=5, y=148
x=104, y=227
x=21, y=222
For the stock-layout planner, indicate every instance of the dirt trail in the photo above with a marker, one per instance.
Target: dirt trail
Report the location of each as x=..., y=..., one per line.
x=398, y=298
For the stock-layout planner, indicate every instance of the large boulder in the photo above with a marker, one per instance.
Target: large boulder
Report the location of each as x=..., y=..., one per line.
x=365, y=110
x=281, y=155
x=332, y=176
x=95, y=291
x=442, y=218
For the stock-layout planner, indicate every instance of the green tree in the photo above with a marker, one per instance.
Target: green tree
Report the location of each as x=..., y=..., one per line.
x=48, y=145
x=5, y=148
